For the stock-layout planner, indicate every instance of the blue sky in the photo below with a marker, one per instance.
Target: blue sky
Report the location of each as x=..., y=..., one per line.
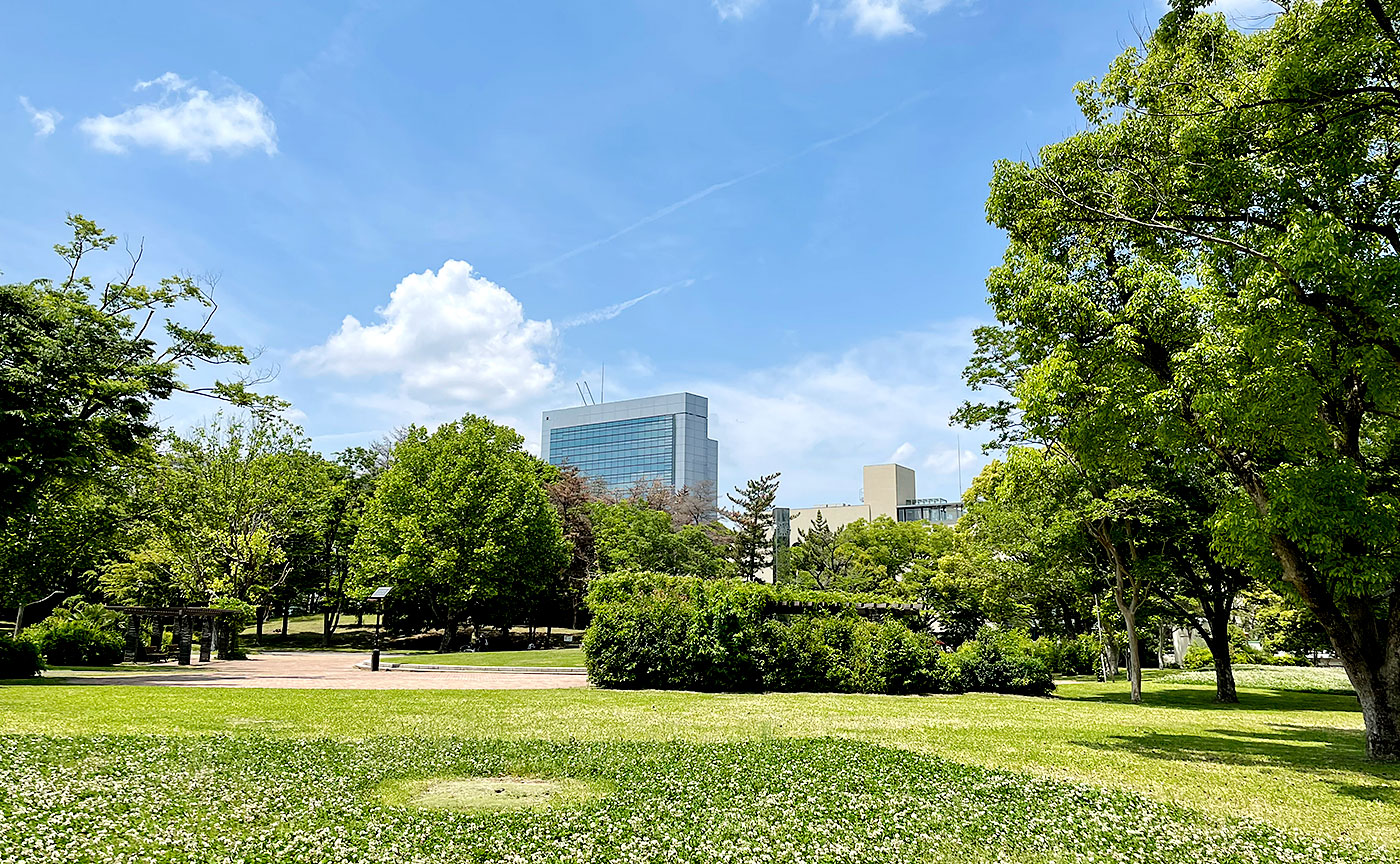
x=422, y=209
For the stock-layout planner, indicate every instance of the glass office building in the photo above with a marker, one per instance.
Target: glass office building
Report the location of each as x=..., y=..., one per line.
x=634, y=441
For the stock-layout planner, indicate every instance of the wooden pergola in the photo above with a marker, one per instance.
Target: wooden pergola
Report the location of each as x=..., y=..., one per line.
x=215, y=631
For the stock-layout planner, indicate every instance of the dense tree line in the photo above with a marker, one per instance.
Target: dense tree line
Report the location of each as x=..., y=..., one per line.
x=1198, y=326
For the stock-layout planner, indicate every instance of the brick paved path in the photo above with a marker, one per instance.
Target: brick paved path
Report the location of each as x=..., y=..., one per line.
x=332, y=670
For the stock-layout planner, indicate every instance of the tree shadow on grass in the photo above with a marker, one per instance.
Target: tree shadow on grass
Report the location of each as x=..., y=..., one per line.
x=1319, y=751
x=1253, y=699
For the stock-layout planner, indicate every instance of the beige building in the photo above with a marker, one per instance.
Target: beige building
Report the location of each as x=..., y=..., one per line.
x=887, y=490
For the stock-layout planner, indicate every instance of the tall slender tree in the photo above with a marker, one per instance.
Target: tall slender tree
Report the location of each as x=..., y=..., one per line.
x=752, y=516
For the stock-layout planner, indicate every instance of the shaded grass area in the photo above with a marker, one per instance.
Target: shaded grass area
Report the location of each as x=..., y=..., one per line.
x=566, y=657
x=793, y=800
x=1324, y=679
x=1294, y=760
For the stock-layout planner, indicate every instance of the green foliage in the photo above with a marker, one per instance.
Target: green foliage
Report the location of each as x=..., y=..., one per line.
x=239, y=505
x=880, y=556
x=85, y=363
x=1077, y=655
x=1202, y=281
x=1198, y=657
x=19, y=658
x=75, y=642
x=244, y=614
x=461, y=524
x=629, y=536
x=1003, y=661
x=752, y=549
x=651, y=630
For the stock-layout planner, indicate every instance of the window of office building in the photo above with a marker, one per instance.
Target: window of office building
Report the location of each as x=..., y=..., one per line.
x=621, y=453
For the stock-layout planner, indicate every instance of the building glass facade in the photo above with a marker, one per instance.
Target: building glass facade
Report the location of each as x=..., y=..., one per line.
x=621, y=453
x=661, y=439
x=936, y=510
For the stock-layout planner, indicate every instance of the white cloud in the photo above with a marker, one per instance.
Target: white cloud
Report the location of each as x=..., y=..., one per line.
x=736, y=9
x=820, y=418
x=188, y=120
x=450, y=338
x=879, y=19
x=44, y=121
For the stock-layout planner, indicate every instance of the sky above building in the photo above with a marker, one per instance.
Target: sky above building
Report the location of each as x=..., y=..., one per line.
x=417, y=210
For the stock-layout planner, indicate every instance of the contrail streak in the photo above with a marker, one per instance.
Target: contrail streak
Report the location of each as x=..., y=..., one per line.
x=725, y=184
x=607, y=313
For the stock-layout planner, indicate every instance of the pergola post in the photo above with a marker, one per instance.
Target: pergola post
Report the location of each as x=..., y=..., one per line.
x=225, y=638
x=184, y=635
x=206, y=638
x=133, y=639
x=157, y=634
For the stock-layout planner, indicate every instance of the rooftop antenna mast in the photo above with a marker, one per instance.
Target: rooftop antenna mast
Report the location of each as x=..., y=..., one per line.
x=603, y=383
x=590, y=393
x=581, y=397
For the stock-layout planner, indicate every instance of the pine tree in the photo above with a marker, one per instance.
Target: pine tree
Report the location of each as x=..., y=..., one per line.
x=753, y=518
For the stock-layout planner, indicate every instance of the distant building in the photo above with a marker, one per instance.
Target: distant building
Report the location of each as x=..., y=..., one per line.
x=888, y=490
x=656, y=438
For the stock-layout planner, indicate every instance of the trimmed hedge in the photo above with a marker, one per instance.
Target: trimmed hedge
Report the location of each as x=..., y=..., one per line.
x=668, y=632
x=19, y=658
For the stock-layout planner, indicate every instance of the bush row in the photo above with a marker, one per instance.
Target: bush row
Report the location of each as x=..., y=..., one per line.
x=1199, y=657
x=665, y=632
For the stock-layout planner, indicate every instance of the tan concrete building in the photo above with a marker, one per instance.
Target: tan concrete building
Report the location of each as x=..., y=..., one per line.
x=887, y=490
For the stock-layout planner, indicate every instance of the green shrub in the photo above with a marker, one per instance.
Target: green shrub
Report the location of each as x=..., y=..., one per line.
x=650, y=630
x=1076, y=656
x=75, y=642
x=640, y=643
x=1003, y=661
x=1198, y=657
x=19, y=658
x=796, y=659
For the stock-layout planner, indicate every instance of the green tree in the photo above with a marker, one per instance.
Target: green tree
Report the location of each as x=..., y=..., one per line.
x=460, y=522
x=817, y=561
x=82, y=364
x=752, y=549
x=1224, y=233
x=236, y=498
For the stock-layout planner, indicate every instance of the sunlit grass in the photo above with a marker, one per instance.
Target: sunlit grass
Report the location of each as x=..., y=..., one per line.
x=250, y=798
x=1294, y=760
x=569, y=657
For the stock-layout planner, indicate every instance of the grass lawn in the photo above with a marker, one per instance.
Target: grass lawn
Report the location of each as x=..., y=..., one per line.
x=570, y=657
x=299, y=774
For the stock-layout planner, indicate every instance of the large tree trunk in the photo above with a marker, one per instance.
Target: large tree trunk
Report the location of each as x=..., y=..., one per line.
x=286, y=618
x=262, y=616
x=1367, y=644
x=1218, y=641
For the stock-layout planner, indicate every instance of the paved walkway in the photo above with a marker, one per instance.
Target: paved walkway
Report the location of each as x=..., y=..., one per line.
x=334, y=670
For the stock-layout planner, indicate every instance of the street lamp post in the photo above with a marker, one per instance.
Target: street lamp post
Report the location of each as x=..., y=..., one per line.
x=378, y=598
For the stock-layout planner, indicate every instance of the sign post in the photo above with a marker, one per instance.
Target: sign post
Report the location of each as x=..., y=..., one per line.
x=377, y=598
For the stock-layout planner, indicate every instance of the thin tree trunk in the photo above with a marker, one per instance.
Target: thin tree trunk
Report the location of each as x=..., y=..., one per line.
x=449, y=632
x=1134, y=652
x=262, y=616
